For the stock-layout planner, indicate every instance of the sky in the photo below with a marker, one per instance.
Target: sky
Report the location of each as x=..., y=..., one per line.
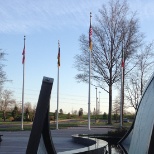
x=44, y=23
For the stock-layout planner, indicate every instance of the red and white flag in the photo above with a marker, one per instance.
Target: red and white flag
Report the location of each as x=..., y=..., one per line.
x=90, y=35
x=122, y=63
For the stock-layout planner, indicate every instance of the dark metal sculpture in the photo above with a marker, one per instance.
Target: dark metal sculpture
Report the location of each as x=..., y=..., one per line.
x=40, y=140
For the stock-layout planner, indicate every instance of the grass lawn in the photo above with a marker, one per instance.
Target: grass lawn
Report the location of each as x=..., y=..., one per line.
x=16, y=126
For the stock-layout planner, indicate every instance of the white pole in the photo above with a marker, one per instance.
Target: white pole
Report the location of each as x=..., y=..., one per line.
x=22, y=118
x=58, y=85
x=96, y=101
x=99, y=101
x=89, y=90
x=90, y=50
x=121, y=102
x=57, y=99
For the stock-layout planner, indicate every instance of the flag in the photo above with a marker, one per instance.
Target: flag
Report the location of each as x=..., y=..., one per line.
x=122, y=64
x=23, y=54
x=58, y=54
x=90, y=35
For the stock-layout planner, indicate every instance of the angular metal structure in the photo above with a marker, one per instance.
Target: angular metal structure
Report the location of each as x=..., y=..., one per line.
x=40, y=140
x=140, y=137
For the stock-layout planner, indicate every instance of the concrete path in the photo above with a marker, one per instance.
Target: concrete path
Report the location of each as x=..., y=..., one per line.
x=16, y=142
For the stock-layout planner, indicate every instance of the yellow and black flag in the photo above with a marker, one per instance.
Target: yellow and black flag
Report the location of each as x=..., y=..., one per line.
x=23, y=52
x=58, y=57
x=90, y=35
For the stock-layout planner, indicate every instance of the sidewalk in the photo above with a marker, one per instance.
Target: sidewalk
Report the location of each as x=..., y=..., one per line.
x=16, y=142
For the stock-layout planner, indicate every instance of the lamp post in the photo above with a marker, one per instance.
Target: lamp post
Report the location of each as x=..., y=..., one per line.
x=99, y=101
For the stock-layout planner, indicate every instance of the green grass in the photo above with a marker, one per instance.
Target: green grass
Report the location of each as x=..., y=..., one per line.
x=65, y=124
x=15, y=128
x=16, y=125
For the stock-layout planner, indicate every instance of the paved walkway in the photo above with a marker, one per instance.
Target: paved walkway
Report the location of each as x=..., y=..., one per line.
x=16, y=142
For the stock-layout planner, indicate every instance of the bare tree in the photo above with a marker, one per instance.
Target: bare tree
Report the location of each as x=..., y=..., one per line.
x=74, y=112
x=133, y=92
x=116, y=106
x=28, y=110
x=3, y=77
x=28, y=106
x=116, y=30
x=61, y=111
x=145, y=63
x=6, y=100
x=140, y=75
x=94, y=112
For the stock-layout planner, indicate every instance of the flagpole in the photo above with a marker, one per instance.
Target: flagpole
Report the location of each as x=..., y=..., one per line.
x=89, y=90
x=58, y=85
x=90, y=48
x=23, y=61
x=57, y=99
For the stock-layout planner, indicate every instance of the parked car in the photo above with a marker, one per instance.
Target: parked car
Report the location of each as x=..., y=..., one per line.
x=125, y=120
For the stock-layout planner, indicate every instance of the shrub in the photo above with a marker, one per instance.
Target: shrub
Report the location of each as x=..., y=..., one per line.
x=52, y=118
x=68, y=116
x=11, y=119
x=118, y=133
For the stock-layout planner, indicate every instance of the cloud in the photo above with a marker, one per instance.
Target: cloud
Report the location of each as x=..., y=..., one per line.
x=26, y=16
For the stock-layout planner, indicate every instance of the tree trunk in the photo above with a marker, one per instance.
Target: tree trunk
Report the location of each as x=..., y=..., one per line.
x=110, y=85
x=110, y=105
x=141, y=84
x=4, y=115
